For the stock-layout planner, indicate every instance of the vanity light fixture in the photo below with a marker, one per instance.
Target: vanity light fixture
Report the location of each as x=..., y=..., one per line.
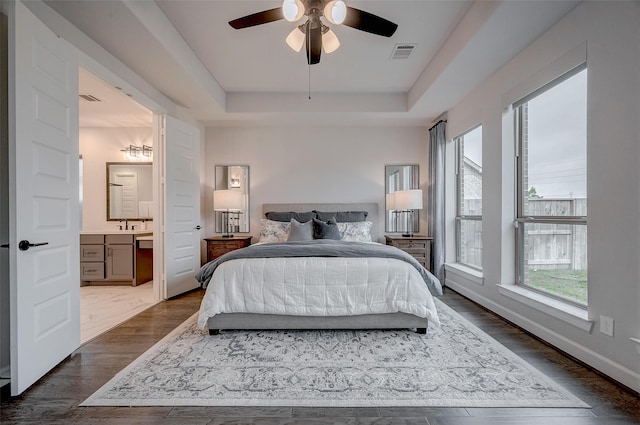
x=147, y=151
x=131, y=151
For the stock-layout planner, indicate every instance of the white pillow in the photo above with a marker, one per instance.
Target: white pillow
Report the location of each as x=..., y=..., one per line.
x=356, y=231
x=274, y=231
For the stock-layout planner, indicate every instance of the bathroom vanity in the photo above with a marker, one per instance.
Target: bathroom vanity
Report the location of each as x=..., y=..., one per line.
x=116, y=258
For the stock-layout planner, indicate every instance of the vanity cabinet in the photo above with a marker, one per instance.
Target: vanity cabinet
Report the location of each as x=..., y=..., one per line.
x=110, y=258
x=91, y=257
x=119, y=257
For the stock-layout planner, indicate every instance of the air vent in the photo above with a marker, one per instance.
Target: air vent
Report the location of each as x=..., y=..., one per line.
x=402, y=51
x=90, y=98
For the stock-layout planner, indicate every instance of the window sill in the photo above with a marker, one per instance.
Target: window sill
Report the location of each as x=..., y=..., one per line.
x=568, y=313
x=454, y=270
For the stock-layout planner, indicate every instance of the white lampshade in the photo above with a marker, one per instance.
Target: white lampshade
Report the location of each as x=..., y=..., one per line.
x=335, y=11
x=295, y=39
x=227, y=200
x=330, y=41
x=292, y=10
x=408, y=199
x=391, y=201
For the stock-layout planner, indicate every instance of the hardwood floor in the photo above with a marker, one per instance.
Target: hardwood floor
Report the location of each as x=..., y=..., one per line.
x=55, y=398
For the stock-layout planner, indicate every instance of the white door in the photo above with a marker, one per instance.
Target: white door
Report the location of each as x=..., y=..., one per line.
x=182, y=206
x=44, y=205
x=128, y=190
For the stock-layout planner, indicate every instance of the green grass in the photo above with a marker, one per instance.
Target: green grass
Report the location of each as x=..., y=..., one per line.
x=571, y=284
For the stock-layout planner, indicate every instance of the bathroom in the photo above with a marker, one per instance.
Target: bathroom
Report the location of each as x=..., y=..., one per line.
x=116, y=197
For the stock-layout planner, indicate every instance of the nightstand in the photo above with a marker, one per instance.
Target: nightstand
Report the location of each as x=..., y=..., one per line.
x=217, y=246
x=417, y=246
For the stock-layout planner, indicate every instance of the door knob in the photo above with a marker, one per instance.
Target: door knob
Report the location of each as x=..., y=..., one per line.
x=198, y=227
x=25, y=245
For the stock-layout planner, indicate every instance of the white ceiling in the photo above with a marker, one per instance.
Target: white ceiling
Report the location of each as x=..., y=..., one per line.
x=189, y=53
x=112, y=109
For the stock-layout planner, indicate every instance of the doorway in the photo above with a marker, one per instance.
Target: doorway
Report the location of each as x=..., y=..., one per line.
x=113, y=128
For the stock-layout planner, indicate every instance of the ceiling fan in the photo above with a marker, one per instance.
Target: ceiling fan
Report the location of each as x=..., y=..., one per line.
x=313, y=33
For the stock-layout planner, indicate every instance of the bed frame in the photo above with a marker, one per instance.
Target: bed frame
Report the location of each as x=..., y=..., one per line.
x=228, y=321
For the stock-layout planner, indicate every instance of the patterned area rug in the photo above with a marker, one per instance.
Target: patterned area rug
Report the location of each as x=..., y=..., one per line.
x=455, y=364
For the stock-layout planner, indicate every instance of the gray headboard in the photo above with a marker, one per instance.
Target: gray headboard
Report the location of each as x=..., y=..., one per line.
x=372, y=209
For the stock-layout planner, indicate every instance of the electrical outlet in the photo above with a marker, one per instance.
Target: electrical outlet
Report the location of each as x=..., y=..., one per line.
x=606, y=325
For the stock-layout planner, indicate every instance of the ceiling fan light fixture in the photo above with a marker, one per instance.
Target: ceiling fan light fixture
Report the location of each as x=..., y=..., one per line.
x=335, y=11
x=330, y=42
x=295, y=39
x=292, y=10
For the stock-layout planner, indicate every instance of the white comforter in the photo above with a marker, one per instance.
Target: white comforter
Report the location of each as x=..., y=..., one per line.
x=317, y=286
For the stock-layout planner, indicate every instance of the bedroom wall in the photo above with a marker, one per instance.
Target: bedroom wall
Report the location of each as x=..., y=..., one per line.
x=314, y=164
x=97, y=147
x=611, y=34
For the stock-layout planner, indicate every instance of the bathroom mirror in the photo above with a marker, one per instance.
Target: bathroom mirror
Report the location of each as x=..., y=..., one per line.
x=129, y=191
x=400, y=177
x=236, y=178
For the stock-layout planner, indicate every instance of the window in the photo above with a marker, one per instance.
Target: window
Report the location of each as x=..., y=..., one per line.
x=469, y=204
x=552, y=189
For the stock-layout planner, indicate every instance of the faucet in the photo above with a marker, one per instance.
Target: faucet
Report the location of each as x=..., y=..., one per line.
x=126, y=224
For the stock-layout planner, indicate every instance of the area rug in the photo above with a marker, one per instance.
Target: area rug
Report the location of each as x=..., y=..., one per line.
x=454, y=364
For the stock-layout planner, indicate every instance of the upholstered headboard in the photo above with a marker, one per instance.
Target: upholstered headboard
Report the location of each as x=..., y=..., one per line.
x=372, y=209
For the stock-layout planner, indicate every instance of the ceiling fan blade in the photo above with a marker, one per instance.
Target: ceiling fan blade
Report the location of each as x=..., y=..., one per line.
x=313, y=42
x=259, y=18
x=365, y=21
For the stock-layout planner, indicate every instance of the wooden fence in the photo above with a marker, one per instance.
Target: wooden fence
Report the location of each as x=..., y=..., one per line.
x=556, y=246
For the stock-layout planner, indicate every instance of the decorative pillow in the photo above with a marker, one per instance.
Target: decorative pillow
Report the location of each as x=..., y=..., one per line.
x=342, y=216
x=273, y=231
x=326, y=230
x=356, y=231
x=286, y=216
x=300, y=231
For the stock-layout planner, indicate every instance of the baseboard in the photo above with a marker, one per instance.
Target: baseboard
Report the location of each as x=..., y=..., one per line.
x=603, y=365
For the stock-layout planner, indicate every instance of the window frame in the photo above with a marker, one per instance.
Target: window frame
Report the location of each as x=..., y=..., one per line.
x=460, y=217
x=523, y=219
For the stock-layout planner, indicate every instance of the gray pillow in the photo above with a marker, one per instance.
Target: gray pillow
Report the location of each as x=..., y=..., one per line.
x=300, y=231
x=326, y=230
x=301, y=217
x=342, y=216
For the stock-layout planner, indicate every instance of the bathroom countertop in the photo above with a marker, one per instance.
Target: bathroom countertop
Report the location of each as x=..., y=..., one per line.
x=116, y=232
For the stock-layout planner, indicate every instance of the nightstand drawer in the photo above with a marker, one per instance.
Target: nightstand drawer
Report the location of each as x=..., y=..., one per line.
x=220, y=246
x=419, y=247
x=227, y=246
x=410, y=245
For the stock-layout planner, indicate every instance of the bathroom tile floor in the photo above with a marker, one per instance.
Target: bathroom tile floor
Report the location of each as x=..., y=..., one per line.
x=105, y=307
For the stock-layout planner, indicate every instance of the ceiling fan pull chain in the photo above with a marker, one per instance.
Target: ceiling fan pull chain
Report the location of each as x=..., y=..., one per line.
x=309, y=66
x=308, y=39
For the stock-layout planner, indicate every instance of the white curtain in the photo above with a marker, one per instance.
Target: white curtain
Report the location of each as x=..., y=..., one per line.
x=437, y=141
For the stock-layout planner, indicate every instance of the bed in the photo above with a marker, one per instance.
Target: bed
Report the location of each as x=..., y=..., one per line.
x=290, y=282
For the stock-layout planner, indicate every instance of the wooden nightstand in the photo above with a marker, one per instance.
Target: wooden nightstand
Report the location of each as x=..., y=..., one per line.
x=418, y=246
x=217, y=246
